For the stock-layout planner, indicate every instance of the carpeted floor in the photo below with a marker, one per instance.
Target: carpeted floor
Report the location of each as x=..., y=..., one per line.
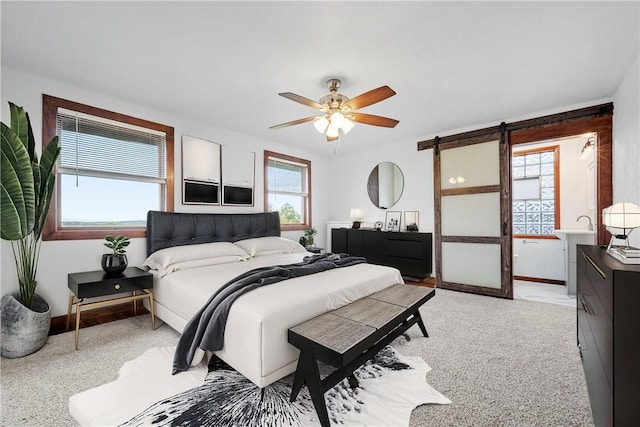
x=510, y=363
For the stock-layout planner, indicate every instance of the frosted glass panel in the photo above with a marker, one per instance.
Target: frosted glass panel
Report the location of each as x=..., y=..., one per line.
x=471, y=215
x=470, y=166
x=475, y=264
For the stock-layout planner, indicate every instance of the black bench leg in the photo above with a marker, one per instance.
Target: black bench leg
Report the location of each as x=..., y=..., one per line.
x=353, y=381
x=421, y=324
x=307, y=372
x=298, y=379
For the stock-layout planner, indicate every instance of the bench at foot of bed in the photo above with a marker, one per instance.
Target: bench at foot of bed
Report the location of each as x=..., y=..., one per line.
x=349, y=336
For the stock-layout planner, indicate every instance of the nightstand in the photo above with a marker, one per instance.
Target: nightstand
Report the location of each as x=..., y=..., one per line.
x=314, y=249
x=91, y=284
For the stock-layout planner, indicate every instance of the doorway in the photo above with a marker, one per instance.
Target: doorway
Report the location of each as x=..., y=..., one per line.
x=596, y=120
x=553, y=208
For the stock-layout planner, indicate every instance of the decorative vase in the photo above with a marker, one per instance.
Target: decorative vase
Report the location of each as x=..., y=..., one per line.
x=310, y=240
x=24, y=330
x=114, y=264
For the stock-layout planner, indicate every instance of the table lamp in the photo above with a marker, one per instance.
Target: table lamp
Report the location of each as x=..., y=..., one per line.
x=356, y=215
x=620, y=219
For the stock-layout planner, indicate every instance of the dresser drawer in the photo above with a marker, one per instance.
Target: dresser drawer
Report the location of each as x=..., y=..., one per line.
x=94, y=284
x=602, y=329
x=405, y=249
x=408, y=267
x=601, y=283
x=599, y=392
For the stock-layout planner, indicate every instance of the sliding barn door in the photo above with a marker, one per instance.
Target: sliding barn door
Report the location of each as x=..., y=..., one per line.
x=473, y=215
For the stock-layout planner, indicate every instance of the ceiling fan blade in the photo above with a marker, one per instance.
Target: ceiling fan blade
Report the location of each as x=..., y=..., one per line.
x=370, y=119
x=302, y=100
x=294, y=122
x=368, y=98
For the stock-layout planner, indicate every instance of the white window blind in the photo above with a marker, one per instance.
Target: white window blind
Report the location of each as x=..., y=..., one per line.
x=93, y=146
x=287, y=178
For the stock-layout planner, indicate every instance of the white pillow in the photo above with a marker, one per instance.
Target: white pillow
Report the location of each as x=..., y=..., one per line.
x=185, y=265
x=270, y=246
x=161, y=259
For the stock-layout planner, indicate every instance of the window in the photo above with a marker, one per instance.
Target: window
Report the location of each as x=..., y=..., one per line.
x=112, y=169
x=287, y=188
x=536, y=191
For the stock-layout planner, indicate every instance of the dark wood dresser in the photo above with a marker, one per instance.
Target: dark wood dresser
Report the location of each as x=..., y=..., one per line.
x=409, y=252
x=608, y=294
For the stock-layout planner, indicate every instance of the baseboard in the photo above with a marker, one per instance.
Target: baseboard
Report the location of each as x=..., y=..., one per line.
x=96, y=316
x=429, y=282
x=539, y=280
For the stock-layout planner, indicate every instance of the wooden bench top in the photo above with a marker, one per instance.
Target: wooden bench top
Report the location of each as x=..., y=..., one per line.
x=343, y=329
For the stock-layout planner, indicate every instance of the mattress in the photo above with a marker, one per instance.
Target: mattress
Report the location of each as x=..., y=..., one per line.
x=255, y=340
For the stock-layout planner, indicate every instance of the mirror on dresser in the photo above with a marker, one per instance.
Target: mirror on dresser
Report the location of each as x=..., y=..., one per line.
x=385, y=185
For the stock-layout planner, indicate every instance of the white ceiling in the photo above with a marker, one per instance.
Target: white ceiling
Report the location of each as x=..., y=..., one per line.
x=452, y=64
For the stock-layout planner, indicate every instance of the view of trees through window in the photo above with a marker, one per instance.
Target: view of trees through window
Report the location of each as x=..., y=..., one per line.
x=288, y=214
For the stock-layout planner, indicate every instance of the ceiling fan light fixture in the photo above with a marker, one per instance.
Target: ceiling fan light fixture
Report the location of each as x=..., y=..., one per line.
x=337, y=119
x=347, y=125
x=332, y=131
x=338, y=113
x=321, y=124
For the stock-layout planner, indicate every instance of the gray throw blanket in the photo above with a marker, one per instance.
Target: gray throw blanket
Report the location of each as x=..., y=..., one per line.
x=206, y=329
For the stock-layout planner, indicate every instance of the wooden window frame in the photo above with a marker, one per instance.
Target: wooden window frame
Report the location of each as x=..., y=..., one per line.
x=53, y=229
x=307, y=214
x=556, y=183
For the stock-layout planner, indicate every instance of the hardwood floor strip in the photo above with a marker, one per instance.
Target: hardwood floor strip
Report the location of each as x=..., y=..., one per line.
x=96, y=316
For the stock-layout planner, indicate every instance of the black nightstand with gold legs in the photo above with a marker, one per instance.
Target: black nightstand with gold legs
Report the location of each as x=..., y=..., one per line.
x=92, y=284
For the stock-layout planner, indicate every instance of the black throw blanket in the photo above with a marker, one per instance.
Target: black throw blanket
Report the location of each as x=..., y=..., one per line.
x=206, y=329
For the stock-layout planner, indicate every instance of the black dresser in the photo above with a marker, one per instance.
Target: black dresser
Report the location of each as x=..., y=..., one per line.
x=608, y=293
x=409, y=252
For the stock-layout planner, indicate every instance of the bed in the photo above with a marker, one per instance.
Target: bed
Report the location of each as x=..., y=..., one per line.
x=255, y=338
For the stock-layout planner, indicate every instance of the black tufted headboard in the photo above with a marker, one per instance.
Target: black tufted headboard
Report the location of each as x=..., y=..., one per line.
x=167, y=229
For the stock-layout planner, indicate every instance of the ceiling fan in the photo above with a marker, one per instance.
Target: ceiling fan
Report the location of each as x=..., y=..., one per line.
x=339, y=112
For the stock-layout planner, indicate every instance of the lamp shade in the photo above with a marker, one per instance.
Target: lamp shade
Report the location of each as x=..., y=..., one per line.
x=321, y=124
x=337, y=119
x=622, y=215
x=356, y=213
x=332, y=131
x=347, y=125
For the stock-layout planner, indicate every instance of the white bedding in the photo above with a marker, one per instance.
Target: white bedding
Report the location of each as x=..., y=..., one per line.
x=255, y=342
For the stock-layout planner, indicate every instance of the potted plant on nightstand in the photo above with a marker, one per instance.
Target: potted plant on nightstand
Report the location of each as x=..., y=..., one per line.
x=26, y=188
x=308, y=234
x=116, y=262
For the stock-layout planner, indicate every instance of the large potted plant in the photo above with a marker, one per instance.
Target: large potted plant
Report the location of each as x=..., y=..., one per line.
x=26, y=187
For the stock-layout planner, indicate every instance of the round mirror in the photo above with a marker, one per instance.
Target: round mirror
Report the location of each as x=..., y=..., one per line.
x=385, y=185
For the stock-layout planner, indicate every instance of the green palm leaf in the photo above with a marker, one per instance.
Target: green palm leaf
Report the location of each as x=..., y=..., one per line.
x=18, y=195
x=47, y=178
x=21, y=127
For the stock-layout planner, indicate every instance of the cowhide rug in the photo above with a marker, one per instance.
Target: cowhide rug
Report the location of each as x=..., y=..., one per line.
x=391, y=386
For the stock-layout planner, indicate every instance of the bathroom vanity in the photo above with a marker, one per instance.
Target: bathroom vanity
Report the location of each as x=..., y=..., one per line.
x=571, y=238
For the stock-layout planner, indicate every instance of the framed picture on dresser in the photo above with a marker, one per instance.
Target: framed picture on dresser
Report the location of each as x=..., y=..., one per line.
x=392, y=220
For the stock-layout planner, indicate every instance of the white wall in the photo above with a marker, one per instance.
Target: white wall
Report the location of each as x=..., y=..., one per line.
x=58, y=258
x=350, y=172
x=626, y=143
